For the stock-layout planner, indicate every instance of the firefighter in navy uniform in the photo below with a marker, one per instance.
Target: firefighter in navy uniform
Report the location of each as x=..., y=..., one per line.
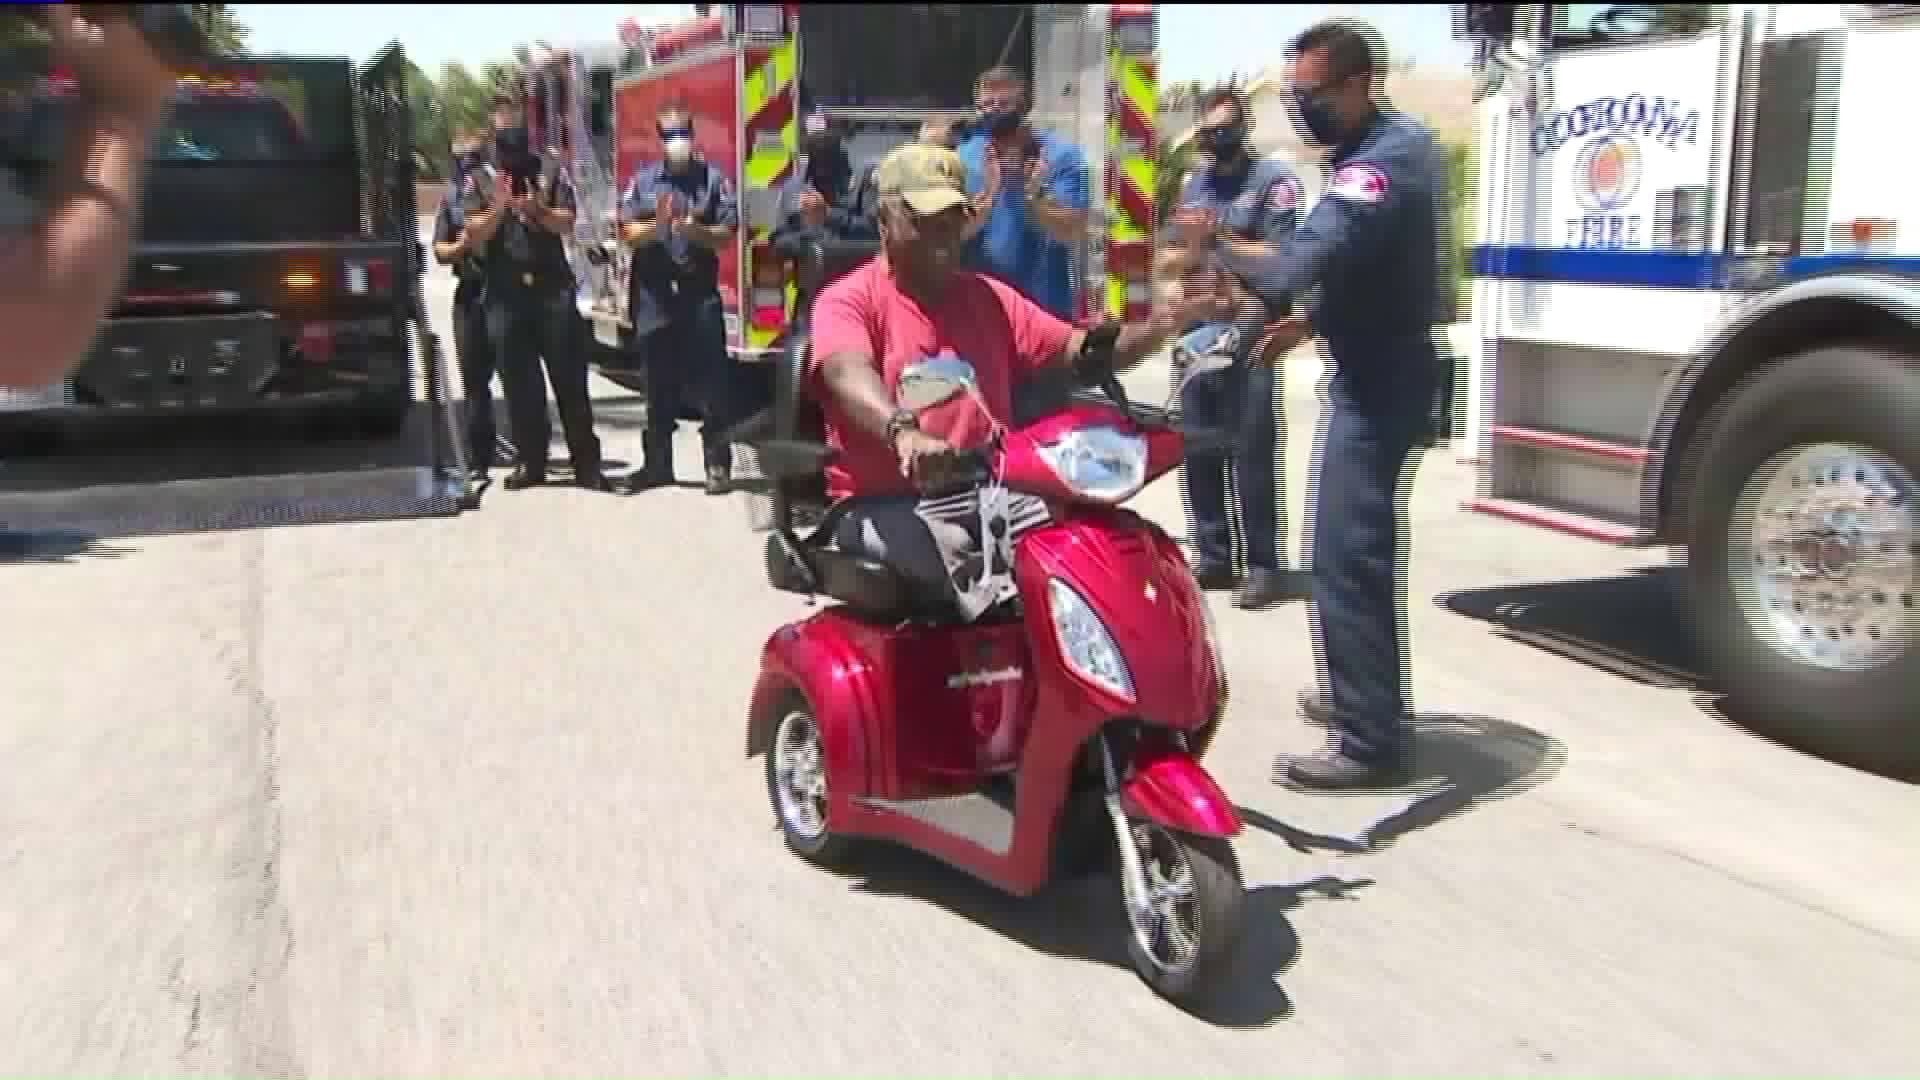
x=827, y=210
x=1260, y=201
x=530, y=313
x=470, y=342
x=677, y=214
x=1372, y=245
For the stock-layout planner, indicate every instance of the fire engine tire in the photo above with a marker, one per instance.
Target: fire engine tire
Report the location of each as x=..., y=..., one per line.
x=1843, y=395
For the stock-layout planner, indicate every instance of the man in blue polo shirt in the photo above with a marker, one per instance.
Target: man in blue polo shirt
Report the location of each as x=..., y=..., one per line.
x=1031, y=191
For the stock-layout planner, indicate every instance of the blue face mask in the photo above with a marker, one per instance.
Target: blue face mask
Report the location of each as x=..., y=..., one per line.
x=1313, y=112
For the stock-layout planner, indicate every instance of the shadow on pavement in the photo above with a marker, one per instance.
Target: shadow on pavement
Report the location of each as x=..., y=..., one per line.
x=54, y=547
x=1630, y=625
x=1080, y=918
x=1459, y=762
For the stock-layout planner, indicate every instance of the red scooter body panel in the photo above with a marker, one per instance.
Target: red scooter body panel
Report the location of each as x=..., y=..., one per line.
x=912, y=712
x=1170, y=787
x=1023, y=469
x=1137, y=581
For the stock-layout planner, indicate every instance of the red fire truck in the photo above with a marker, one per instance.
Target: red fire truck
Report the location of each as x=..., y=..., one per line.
x=748, y=71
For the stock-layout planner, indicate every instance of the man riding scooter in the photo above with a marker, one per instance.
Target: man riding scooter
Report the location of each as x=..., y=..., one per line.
x=912, y=302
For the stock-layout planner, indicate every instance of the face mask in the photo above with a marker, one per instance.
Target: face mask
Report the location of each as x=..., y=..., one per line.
x=1315, y=113
x=1224, y=144
x=679, y=149
x=1001, y=121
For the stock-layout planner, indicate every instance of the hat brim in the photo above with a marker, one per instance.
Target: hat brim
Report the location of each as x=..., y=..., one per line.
x=929, y=201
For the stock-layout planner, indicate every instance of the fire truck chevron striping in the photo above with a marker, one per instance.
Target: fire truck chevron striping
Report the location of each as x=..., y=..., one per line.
x=769, y=92
x=1132, y=150
x=1696, y=322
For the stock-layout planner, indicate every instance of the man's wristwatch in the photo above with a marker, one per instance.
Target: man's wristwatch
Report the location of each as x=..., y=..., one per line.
x=902, y=420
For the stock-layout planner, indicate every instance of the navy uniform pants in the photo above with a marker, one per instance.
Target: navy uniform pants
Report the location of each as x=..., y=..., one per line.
x=1360, y=538
x=531, y=331
x=686, y=362
x=1240, y=397
x=474, y=352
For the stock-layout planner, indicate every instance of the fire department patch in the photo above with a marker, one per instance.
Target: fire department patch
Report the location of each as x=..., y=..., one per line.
x=1284, y=194
x=1358, y=184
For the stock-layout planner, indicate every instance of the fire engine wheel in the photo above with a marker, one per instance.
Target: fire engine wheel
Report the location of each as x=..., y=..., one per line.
x=1805, y=555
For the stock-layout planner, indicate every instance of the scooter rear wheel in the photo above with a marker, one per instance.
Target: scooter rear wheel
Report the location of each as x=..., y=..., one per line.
x=1197, y=901
x=797, y=784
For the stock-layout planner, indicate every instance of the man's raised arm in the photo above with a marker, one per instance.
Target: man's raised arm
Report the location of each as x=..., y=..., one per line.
x=61, y=268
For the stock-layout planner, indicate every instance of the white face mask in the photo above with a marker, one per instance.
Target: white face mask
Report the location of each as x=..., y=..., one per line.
x=679, y=149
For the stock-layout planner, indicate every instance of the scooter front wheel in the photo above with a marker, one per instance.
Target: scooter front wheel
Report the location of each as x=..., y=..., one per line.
x=1183, y=937
x=797, y=784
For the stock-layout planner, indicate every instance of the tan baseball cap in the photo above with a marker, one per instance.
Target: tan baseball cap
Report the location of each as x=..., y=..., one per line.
x=930, y=178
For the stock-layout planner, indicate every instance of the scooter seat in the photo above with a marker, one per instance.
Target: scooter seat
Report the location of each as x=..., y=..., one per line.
x=868, y=588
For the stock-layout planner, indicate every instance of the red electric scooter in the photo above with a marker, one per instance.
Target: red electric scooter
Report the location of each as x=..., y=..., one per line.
x=1074, y=712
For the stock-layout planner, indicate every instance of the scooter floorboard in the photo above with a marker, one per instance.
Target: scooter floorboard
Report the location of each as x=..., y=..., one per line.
x=984, y=818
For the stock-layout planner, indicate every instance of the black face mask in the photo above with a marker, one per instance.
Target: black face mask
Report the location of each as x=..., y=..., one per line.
x=1314, y=113
x=1001, y=121
x=1226, y=145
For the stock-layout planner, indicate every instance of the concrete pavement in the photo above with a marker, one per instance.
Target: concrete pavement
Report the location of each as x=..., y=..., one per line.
x=465, y=797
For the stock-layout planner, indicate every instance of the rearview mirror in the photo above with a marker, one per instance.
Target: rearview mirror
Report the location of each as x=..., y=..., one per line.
x=1206, y=363
x=930, y=382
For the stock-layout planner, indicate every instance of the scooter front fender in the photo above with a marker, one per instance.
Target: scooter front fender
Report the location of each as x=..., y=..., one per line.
x=1169, y=787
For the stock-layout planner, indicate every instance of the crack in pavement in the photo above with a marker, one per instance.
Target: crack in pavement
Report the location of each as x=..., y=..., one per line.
x=257, y=1014
x=1904, y=947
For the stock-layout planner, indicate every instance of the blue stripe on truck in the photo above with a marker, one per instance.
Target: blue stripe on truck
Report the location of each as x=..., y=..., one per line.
x=1655, y=269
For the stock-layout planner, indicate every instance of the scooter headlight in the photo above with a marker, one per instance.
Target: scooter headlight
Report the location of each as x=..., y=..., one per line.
x=1085, y=643
x=1099, y=463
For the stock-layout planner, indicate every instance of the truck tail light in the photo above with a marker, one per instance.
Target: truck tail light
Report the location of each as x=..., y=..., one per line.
x=316, y=342
x=364, y=276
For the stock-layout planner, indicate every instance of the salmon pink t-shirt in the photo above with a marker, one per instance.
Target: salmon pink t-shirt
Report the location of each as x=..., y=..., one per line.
x=988, y=324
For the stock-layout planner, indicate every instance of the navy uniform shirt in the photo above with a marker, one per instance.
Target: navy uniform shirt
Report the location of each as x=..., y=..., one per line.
x=1372, y=245
x=1260, y=202
x=676, y=265
x=524, y=257
x=850, y=216
x=446, y=229
x=850, y=234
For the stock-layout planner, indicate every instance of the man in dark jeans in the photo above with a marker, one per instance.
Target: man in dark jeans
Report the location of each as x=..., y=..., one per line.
x=677, y=214
x=470, y=342
x=529, y=301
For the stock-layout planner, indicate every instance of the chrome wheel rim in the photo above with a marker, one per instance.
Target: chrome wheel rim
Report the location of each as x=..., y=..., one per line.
x=1824, y=556
x=800, y=776
x=1167, y=926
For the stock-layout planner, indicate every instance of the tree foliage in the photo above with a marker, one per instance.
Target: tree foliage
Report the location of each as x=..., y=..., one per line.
x=226, y=33
x=459, y=100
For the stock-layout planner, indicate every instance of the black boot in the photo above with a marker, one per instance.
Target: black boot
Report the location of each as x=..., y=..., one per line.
x=1264, y=588
x=1338, y=772
x=525, y=476
x=1213, y=577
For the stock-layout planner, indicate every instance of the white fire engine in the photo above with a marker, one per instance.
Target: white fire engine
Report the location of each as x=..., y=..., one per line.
x=1696, y=311
x=747, y=71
